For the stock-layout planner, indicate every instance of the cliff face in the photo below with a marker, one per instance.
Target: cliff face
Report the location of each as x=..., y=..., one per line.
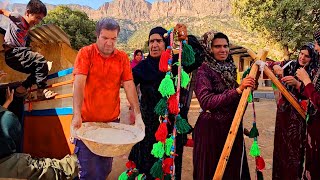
x=141, y=10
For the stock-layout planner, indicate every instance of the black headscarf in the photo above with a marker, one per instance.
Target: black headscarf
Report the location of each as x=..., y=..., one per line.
x=316, y=36
x=161, y=31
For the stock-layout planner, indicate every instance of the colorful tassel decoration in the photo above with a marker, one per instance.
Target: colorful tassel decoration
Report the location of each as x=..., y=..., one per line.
x=255, y=151
x=130, y=165
x=141, y=177
x=250, y=98
x=162, y=132
x=167, y=177
x=187, y=55
x=245, y=73
x=161, y=107
x=156, y=170
x=173, y=105
x=260, y=164
x=158, y=150
x=254, y=131
x=166, y=87
x=185, y=79
x=182, y=125
x=168, y=146
x=274, y=87
x=164, y=59
x=123, y=176
x=259, y=175
x=166, y=167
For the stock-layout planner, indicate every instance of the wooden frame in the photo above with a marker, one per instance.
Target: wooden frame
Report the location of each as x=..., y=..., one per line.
x=242, y=107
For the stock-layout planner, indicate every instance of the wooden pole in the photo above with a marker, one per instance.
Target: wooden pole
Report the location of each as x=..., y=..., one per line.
x=237, y=120
x=279, y=85
x=284, y=91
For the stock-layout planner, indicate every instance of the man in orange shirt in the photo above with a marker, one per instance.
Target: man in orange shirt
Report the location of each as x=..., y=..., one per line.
x=99, y=70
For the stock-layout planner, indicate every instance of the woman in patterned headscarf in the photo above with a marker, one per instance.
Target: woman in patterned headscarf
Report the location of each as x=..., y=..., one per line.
x=218, y=94
x=312, y=92
x=290, y=127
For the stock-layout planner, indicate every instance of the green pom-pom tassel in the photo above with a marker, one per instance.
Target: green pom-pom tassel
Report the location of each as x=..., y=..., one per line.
x=307, y=117
x=250, y=98
x=182, y=125
x=161, y=107
x=187, y=55
x=167, y=177
x=123, y=176
x=255, y=151
x=141, y=177
x=166, y=87
x=259, y=175
x=274, y=87
x=185, y=79
x=133, y=175
x=254, y=131
x=169, y=144
x=158, y=150
x=156, y=170
x=245, y=73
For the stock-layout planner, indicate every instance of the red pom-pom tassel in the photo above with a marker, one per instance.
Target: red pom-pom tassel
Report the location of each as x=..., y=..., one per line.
x=166, y=166
x=260, y=164
x=162, y=132
x=163, y=64
x=130, y=165
x=173, y=105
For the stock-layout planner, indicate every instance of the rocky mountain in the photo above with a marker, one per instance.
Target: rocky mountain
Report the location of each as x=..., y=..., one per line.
x=141, y=10
x=137, y=17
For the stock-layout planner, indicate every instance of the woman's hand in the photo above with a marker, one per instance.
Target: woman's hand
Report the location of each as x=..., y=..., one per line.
x=278, y=70
x=291, y=81
x=303, y=76
x=247, y=82
x=9, y=98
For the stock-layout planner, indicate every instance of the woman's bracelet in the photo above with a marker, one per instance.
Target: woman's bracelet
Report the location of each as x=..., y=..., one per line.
x=238, y=90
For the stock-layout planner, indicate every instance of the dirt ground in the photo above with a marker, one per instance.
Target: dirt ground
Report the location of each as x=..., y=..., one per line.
x=265, y=111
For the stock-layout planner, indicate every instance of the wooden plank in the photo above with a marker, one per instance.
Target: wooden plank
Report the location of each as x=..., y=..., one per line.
x=284, y=91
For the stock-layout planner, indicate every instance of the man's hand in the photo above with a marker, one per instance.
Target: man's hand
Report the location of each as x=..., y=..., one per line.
x=5, y=12
x=138, y=121
x=75, y=125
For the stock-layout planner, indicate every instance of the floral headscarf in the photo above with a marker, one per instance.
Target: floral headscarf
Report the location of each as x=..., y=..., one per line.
x=227, y=69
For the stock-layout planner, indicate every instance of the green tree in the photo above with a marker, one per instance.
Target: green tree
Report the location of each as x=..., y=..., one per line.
x=76, y=24
x=286, y=24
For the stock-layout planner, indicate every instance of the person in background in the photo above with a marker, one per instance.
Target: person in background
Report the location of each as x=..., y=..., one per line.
x=17, y=165
x=20, y=57
x=290, y=127
x=137, y=58
x=312, y=92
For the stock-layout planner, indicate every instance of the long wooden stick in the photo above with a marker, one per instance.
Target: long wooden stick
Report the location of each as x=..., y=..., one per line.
x=236, y=122
x=284, y=91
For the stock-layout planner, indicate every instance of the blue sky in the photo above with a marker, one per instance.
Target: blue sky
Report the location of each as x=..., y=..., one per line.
x=92, y=3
